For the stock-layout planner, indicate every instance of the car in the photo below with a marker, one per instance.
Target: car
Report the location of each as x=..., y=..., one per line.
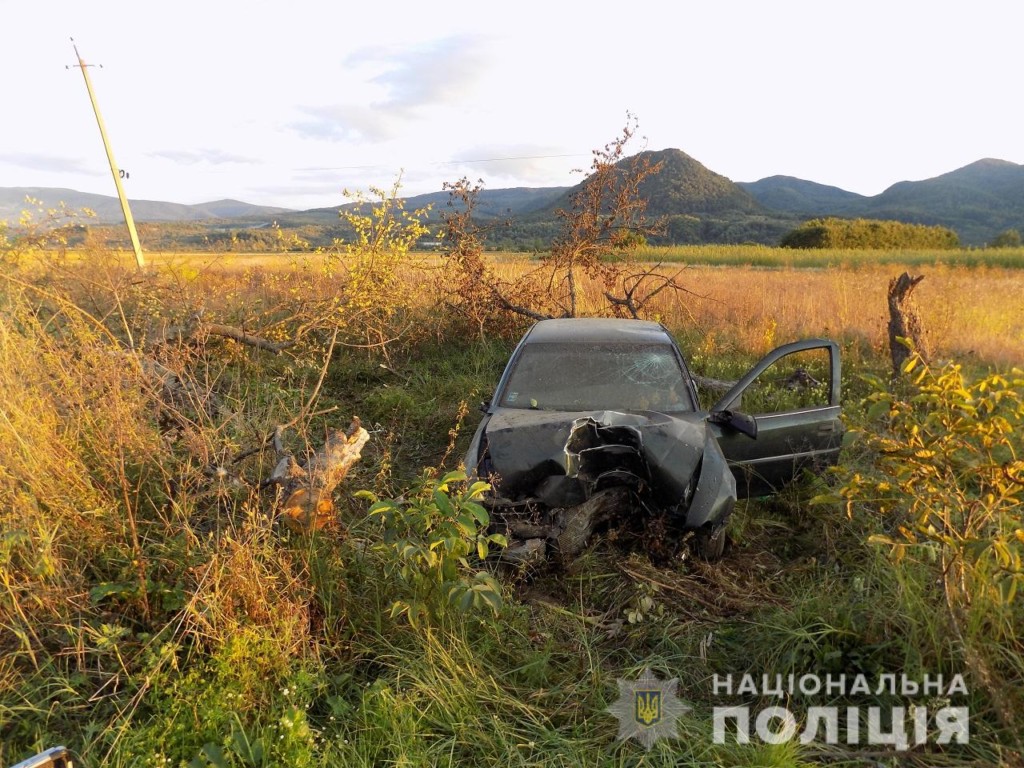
x=598, y=420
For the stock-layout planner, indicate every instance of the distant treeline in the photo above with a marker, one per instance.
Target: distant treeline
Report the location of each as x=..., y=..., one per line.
x=868, y=233
x=536, y=236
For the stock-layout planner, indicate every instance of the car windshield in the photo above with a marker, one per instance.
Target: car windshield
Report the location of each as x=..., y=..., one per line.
x=597, y=377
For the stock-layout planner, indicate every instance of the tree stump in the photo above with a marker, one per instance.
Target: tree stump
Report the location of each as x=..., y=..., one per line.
x=306, y=489
x=905, y=322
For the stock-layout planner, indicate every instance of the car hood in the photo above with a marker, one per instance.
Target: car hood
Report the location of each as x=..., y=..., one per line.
x=563, y=457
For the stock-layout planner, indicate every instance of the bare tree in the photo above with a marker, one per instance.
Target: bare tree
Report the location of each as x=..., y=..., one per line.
x=600, y=231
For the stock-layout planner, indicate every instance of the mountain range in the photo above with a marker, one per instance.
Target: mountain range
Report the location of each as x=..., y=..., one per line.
x=977, y=201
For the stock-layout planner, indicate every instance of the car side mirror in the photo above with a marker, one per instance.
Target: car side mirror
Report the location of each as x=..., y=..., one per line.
x=741, y=422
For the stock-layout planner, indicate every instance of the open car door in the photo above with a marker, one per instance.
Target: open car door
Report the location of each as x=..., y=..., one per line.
x=783, y=416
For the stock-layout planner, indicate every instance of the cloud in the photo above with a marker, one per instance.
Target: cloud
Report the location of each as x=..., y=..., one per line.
x=211, y=156
x=351, y=122
x=438, y=73
x=50, y=163
x=527, y=164
x=412, y=80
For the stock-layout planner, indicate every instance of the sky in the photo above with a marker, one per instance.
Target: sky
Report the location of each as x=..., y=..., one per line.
x=291, y=103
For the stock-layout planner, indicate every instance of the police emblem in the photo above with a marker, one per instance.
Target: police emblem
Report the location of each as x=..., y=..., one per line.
x=647, y=709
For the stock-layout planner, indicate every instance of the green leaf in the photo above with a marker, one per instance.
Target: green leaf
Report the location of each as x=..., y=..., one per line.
x=101, y=592
x=380, y=507
x=215, y=754
x=456, y=476
x=478, y=512
x=250, y=751
x=443, y=503
x=493, y=600
x=465, y=599
x=878, y=410
x=477, y=489
x=878, y=538
x=1008, y=589
x=467, y=524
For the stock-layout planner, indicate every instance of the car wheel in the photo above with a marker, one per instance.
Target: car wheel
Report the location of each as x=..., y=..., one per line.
x=709, y=544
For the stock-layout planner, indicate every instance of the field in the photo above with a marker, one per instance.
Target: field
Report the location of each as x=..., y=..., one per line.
x=155, y=610
x=754, y=297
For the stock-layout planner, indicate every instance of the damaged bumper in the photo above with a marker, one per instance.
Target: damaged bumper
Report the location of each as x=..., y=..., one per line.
x=573, y=472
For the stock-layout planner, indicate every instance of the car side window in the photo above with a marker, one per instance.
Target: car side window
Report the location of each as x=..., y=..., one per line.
x=796, y=382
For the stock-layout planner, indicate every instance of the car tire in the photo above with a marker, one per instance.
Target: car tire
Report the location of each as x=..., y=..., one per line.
x=709, y=543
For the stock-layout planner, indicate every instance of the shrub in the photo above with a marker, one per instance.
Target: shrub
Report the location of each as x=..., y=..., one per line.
x=868, y=234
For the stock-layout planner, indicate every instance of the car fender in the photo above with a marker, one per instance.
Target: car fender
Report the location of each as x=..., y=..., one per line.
x=715, y=495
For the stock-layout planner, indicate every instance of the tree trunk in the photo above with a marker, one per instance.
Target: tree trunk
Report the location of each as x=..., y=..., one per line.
x=905, y=322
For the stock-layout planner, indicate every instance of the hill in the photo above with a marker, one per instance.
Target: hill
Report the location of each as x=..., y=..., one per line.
x=491, y=203
x=978, y=201
x=108, y=207
x=683, y=186
x=793, y=195
x=697, y=204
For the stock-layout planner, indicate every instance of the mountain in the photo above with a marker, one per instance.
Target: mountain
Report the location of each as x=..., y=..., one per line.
x=681, y=187
x=491, y=203
x=696, y=204
x=978, y=201
x=108, y=208
x=685, y=186
x=788, y=193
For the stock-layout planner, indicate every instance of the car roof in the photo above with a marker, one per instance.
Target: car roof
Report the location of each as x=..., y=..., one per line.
x=597, y=329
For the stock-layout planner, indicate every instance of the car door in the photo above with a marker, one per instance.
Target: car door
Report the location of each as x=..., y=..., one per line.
x=793, y=397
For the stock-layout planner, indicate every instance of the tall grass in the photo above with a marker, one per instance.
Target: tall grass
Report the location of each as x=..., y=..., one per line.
x=152, y=612
x=770, y=257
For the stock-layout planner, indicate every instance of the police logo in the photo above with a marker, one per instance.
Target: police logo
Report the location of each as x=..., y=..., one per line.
x=647, y=709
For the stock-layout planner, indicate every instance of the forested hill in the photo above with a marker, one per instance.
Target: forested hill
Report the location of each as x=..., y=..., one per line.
x=978, y=202
x=108, y=209
x=788, y=193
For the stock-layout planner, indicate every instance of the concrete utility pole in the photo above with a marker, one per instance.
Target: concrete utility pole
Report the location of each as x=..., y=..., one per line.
x=110, y=159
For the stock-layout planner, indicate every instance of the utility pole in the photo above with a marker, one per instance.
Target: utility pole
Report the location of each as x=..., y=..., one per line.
x=110, y=159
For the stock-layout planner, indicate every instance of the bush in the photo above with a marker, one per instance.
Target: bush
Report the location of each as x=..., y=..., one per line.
x=868, y=234
x=943, y=489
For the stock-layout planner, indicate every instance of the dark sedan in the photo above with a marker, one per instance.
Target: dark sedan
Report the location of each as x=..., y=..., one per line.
x=595, y=420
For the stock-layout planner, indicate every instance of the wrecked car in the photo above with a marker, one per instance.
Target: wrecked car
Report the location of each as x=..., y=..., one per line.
x=599, y=421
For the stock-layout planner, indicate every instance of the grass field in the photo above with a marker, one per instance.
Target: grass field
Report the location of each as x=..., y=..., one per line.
x=793, y=258
x=154, y=612
x=974, y=315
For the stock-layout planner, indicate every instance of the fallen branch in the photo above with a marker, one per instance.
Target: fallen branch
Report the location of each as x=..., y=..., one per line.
x=197, y=327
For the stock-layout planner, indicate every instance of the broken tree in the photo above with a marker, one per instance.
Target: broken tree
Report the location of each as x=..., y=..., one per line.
x=306, y=488
x=905, y=322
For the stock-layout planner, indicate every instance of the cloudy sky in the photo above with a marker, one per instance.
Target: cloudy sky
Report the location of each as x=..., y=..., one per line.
x=289, y=103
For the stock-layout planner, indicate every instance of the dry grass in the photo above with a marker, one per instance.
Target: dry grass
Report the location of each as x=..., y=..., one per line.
x=975, y=314
x=972, y=314
x=151, y=611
